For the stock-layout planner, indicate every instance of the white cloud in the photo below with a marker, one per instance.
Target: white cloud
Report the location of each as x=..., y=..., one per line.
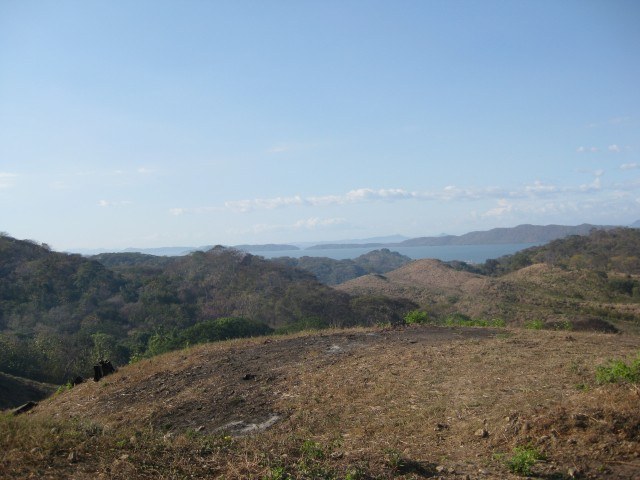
x=539, y=187
x=106, y=203
x=313, y=223
x=629, y=166
x=583, y=149
x=614, y=148
x=503, y=208
x=263, y=203
x=145, y=170
x=6, y=179
x=449, y=193
x=177, y=211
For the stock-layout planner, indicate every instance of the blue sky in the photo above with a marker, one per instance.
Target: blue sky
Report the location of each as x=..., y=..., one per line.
x=158, y=123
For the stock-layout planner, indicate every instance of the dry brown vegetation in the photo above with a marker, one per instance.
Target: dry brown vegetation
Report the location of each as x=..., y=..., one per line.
x=537, y=292
x=416, y=402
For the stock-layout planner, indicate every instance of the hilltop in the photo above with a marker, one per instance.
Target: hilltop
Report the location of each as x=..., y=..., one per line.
x=415, y=402
x=333, y=272
x=583, y=280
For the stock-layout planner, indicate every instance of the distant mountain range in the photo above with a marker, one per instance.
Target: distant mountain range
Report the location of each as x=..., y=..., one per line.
x=515, y=235
x=495, y=236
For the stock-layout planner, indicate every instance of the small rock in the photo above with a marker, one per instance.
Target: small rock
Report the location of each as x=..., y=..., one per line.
x=440, y=426
x=440, y=468
x=168, y=436
x=337, y=455
x=199, y=428
x=124, y=456
x=73, y=457
x=482, y=433
x=249, y=376
x=574, y=472
x=451, y=470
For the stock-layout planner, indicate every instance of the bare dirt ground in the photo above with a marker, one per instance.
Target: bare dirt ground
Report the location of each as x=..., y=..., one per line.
x=417, y=402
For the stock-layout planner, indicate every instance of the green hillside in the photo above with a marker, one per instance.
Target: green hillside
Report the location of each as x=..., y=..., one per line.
x=615, y=250
x=333, y=272
x=59, y=313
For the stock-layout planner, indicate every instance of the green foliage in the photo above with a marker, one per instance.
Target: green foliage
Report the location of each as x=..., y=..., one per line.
x=618, y=371
x=219, y=329
x=63, y=388
x=310, y=323
x=333, y=272
x=223, y=329
x=623, y=286
x=311, y=449
x=395, y=461
x=523, y=459
x=616, y=249
x=534, y=325
x=59, y=313
x=416, y=317
x=277, y=473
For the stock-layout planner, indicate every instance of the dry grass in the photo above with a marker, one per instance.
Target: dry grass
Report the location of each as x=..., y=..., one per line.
x=537, y=292
x=407, y=403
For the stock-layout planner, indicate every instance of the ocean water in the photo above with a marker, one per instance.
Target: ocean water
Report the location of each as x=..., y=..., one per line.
x=465, y=253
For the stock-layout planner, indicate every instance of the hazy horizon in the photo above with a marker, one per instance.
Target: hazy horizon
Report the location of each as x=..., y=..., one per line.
x=156, y=123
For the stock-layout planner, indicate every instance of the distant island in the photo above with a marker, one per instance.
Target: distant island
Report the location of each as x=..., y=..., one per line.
x=521, y=234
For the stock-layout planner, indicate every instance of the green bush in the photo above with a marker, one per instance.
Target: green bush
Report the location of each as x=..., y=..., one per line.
x=523, y=459
x=310, y=323
x=417, y=317
x=617, y=371
x=224, y=329
x=534, y=325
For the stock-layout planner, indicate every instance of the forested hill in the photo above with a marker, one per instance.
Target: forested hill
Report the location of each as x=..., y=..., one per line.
x=519, y=234
x=615, y=250
x=333, y=272
x=60, y=312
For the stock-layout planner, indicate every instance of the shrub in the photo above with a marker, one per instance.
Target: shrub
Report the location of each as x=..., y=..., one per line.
x=534, y=325
x=618, y=371
x=417, y=317
x=224, y=329
x=308, y=323
x=523, y=459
